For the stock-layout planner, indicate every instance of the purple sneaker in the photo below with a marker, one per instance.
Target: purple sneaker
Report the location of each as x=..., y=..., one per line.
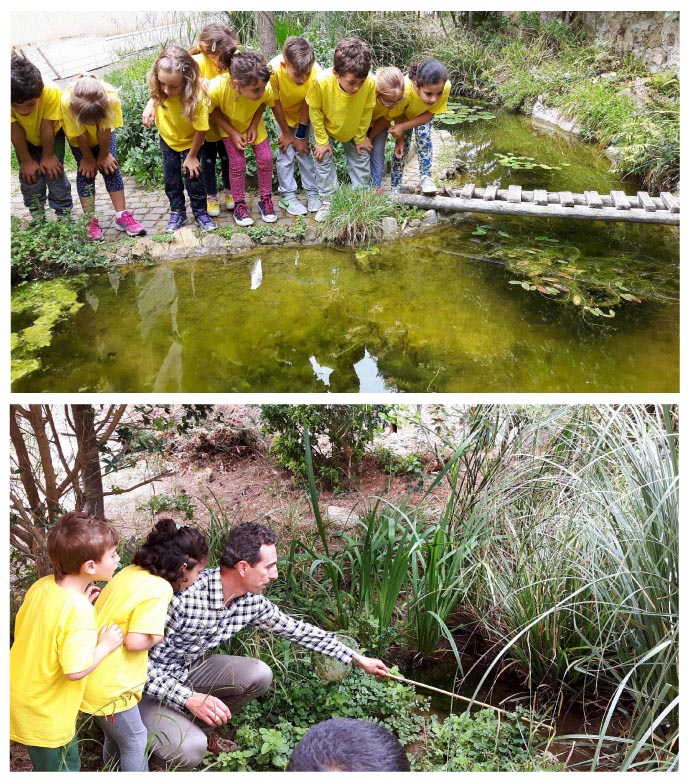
x=176, y=221
x=205, y=223
x=126, y=222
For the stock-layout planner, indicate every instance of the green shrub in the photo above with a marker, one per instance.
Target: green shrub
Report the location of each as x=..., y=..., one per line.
x=355, y=216
x=177, y=502
x=347, y=430
x=46, y=247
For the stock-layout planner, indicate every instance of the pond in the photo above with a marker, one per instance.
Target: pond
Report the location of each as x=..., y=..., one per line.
x=492, y=304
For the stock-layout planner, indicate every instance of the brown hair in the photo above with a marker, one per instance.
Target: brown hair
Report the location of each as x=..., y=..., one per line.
x=88, y=101
x=215, y=39
x=76, y=538
x=352, y=56
x=390, y=82
x=247, y=68
x=298, y=52
x=174, y=59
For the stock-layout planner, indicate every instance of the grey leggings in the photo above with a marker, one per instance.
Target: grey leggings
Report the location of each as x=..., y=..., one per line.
x=179, y=741
x=125, y=740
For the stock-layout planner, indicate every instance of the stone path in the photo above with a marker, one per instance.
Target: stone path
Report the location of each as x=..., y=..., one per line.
x=151, y=208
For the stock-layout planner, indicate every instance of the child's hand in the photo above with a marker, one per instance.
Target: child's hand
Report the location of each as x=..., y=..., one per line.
x=301, y=146
x=92, y=592
x=110, y=637
x=366, y=145
x=399, y=149
x=29, y=171
x=251, y=134
x=148, y=116
x=321, y=150
x=240, y=141
x=192, y=165
x=51, y=166
x=88, y=167
x=285, y=140
x=107, y=164
x=396, y=131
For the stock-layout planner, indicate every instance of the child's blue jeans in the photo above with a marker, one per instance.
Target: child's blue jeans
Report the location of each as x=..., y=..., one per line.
x=175, y=182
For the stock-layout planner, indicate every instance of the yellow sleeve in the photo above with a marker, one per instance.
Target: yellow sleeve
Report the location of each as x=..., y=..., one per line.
x=76, y=643
x=52, y=102
x=200, y=120
x=317, y=118
x=367, y=113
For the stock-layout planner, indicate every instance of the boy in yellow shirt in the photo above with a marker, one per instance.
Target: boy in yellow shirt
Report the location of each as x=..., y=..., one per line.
x=38, y=142
x=56, y=642
x=293, y=73
x=341, y=103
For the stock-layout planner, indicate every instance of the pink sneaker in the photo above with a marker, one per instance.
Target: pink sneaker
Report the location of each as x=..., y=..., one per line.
x=127, y=223
x=94, y=233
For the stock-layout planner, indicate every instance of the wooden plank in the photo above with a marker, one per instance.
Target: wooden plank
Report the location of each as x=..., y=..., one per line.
x=514, y=194
x=467, y=191
x=566, y=199
x=646, y=202
x=490, y=193
x=619, y=200
x=540, y=197
x=607, y=214
x=592, y=199
x=672, y=204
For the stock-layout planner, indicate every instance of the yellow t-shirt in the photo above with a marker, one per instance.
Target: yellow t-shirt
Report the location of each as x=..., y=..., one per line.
x=208, y=68
x=337, y=114
x=176, y=130
x=73, y=128
x=49, y=107
x=136, y=601
x=55, y=634
x=413, y=106
x=289, y=94
x=237, y=109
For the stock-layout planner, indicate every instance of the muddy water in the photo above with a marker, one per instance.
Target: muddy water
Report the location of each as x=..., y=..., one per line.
x=451, y=311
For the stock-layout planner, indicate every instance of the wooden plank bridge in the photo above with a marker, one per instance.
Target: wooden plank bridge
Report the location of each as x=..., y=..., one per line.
x=590, y=205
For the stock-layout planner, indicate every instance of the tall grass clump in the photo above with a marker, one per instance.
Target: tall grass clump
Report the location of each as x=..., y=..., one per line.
x=355, y=216
x=577, y=584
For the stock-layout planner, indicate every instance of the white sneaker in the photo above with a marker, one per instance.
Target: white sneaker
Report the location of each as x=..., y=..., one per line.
x=293, y=206
x=427, y=186
x=313, y=202
x=323, y=211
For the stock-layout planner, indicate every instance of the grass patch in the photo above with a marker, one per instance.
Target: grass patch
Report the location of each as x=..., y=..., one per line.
x=355, y=216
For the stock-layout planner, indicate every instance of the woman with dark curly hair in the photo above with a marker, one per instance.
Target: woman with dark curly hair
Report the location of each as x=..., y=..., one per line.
x=136, y=599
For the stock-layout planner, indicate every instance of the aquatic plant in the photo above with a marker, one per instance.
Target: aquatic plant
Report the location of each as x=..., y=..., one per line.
x=355, y=216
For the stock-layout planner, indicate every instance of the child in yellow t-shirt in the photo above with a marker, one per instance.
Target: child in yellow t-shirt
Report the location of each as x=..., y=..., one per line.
x=341, y=103
x=293, y=72
x=91, y=112
x=179, y=107
x=213, y=41
x=57, y=643
x=237, y=102
x=426, y=94
x=37, y=138
x=389, y=102
x=136, y=599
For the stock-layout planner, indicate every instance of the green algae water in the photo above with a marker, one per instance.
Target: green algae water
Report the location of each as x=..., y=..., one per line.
x=492, y=304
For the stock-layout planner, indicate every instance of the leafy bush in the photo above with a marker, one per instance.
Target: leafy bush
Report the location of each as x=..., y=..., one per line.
x=45, y=248
x=345, y=430
x=355, y=216
x=178, y=502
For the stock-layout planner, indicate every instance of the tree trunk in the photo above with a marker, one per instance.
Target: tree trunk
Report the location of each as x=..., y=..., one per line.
x=89, y=459
x=267, y=38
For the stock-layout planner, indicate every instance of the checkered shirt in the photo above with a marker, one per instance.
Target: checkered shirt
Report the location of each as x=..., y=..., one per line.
x=197, y=621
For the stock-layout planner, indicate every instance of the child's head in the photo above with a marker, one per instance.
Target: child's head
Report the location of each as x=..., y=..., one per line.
x=215, y=39
x=389, y=86
x=177, y=554
x=351, y=64
x=249, y=73
x=26, y=86
x=78, y=539
x=429, y=78
x=89, y=102
x=298, y=58
x=175, y=74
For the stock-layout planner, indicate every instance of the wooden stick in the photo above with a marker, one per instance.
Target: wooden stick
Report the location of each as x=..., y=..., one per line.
x=465, y=699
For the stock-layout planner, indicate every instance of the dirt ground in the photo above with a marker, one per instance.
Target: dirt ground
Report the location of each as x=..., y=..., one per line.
x=226, y=471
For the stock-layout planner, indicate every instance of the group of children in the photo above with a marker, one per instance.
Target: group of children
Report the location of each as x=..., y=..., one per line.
x=209, y=102
x=69, y=655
